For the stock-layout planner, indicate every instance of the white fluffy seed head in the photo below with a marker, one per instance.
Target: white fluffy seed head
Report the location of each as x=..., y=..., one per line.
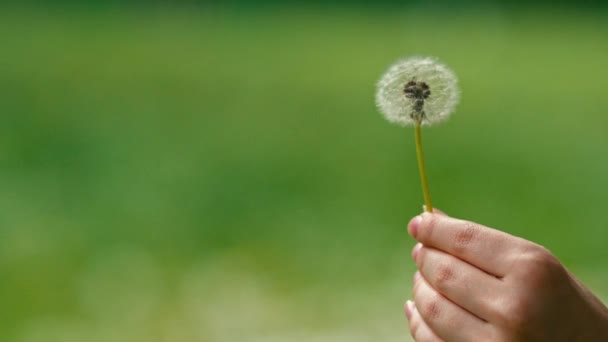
x=406, y=109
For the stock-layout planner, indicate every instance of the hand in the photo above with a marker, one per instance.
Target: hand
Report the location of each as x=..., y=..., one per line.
x=479, y=284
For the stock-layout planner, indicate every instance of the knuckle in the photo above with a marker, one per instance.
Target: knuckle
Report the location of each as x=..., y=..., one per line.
x=533, y=254
x=540, y=266
x=499, y=307
x=431, y=310
x=444, y=277
x=514, y=312
x=466, y=235
x=545, y=259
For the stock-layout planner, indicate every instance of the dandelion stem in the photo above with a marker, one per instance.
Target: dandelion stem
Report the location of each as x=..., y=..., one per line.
x=419, y=154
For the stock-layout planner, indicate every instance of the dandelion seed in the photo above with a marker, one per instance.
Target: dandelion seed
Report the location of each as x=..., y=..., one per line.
x=418, y=91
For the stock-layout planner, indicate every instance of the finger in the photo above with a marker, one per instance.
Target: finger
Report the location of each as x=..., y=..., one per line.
x=463, y=284
x=419, y=330
x=447, y=320
x=488, y=249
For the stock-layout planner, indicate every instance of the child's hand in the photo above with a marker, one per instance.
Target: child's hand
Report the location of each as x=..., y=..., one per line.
x=479, y=284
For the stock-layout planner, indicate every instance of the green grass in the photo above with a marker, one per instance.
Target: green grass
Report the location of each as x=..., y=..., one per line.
x=210, y=176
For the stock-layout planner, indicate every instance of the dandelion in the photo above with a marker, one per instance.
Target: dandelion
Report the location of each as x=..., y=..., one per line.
x=418, y=91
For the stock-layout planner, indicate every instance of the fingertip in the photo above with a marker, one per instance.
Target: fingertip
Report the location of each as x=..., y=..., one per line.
x=409, y=309
x=412, y=226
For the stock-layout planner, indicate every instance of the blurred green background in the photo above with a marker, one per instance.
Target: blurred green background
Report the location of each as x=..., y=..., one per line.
x=220, y=172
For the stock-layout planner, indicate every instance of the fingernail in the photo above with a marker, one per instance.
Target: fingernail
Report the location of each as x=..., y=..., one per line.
x=415, y=250
x=416, y=276
x=413, y=226
x=409, y=308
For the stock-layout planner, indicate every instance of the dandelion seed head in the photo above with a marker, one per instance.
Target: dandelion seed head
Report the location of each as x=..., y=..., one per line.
x=417, y=89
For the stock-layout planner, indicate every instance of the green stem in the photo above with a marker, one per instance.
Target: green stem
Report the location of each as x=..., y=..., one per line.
x=424, y=181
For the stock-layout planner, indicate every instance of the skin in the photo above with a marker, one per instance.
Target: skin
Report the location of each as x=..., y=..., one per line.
x=476, y=283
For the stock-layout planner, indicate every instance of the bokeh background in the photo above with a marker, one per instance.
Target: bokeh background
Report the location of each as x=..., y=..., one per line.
x=218, y=172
